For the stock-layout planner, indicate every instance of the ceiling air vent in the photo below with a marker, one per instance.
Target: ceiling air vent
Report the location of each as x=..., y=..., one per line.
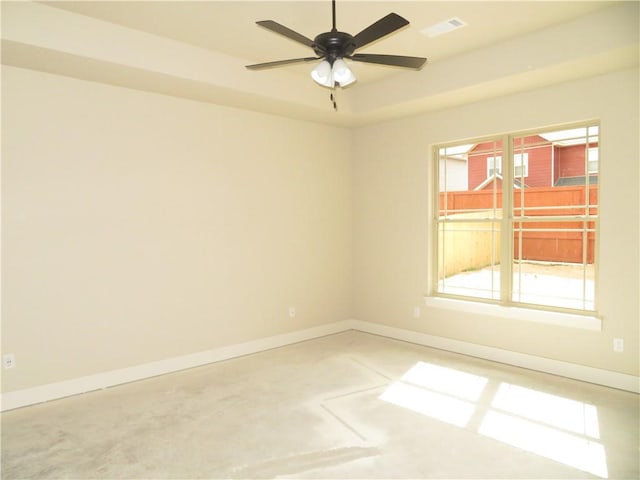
x=443, y=27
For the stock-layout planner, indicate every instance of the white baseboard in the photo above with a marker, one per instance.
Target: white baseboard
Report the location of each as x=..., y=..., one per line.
x=52, y=391
x=598, y=376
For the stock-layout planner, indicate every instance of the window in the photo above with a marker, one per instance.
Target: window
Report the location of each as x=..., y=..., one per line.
x=520, y=165
x=494, y=166
x=501, y=239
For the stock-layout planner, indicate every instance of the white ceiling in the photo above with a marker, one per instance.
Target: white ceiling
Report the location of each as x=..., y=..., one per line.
x=228, y=33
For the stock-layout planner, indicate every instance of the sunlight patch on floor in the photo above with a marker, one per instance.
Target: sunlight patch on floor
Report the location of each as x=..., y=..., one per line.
x=435, y=405
x=571, y=415
x=547, y=441
x=557, y=428
x=446, y=380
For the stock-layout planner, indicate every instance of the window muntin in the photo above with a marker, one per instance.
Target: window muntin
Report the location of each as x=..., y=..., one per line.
x=499, y=249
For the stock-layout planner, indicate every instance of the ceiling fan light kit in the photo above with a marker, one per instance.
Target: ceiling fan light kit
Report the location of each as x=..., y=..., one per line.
x=342, y=74
x=322, y=74
x=329, y=75
x=334, y=46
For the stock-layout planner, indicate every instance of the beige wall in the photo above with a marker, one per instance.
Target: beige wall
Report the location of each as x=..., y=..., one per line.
x=138, y=227
x=392, y=182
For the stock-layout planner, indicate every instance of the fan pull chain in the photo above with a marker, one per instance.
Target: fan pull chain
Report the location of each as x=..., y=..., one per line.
x=333, y=101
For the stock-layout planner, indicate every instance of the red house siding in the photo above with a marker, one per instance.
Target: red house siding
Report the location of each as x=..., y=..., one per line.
x=556, y=164
x=477, y=165
x=539, y=171
x=570, y=160
x=547, y=163
x=539, y=166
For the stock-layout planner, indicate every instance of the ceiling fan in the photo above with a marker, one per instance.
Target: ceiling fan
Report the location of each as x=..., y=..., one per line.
x=334, y=46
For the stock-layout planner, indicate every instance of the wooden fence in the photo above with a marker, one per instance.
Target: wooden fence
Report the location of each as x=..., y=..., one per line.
x=544, y=241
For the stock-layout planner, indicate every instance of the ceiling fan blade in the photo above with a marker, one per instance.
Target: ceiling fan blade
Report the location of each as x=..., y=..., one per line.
x=278, y=63
x=379, y=29
x=393, y=60
x=287, y=32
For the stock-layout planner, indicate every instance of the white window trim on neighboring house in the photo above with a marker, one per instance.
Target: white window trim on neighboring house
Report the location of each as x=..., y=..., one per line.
x=521, y=160
x=492, y=169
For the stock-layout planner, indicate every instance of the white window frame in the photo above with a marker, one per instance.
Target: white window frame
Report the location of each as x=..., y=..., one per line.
x=506, y=305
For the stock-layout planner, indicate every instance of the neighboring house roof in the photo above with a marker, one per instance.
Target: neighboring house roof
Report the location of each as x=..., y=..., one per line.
x=571, y=181
x=497, y=176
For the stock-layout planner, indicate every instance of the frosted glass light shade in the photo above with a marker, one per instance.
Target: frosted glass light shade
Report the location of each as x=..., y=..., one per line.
x=342, y=73
x=323, y=74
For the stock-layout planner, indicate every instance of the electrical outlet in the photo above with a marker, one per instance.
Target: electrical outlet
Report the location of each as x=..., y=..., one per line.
x=9, y=360
x=416, y=312
x=292, y=312
x=618, y=345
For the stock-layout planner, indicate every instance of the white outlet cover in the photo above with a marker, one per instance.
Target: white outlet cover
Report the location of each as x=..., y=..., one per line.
x=618, y=345
x=8, y=360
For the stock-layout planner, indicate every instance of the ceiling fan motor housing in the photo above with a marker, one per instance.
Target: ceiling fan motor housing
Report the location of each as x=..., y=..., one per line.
x=334, y=45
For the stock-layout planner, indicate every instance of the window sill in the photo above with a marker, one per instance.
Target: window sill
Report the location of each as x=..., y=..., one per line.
x=586, y=322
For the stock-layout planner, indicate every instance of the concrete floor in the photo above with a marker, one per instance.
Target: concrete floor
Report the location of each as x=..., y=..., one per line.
x=351, y=405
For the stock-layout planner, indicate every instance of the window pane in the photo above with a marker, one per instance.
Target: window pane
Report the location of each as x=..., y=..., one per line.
x=556, y=173
x=468, y=259
x=554, y=264
x=554, y=254
x=470, y=203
